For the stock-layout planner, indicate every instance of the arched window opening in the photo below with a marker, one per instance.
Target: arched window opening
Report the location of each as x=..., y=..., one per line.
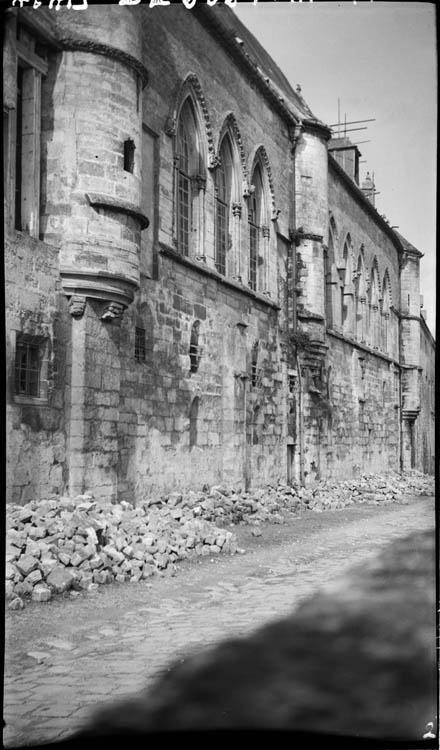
x=194, y=348
x=193, y=420
x=223, y=185
x=187, y=161
x=255, y=217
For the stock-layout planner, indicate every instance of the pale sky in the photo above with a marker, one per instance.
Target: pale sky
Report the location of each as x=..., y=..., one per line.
x=380, y=60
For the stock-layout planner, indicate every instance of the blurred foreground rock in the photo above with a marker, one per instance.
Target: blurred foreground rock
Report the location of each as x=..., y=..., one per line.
x=357, y=659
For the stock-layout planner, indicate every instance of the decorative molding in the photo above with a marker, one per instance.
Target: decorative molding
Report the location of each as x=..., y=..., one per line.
x=230, y=125
x=96, y=48
x=297, y=235
x=101, y=285
x=261, y=153
x=206, y=270
x=191, y=86
x=99, y=200
x=77, y=305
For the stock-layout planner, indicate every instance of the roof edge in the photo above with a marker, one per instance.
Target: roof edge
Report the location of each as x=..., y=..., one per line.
x=357, y=192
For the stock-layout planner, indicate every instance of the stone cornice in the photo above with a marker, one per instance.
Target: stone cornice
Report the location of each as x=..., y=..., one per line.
x=100, y=285
x=201, y=267
x=99, y=200
x=317, y=128
x=96, y=48
x=363, y=347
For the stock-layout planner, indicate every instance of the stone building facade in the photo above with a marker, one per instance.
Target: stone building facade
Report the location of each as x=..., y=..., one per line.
x=198, y=290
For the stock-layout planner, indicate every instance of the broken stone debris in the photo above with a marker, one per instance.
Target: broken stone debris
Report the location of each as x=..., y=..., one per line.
x=67, y=545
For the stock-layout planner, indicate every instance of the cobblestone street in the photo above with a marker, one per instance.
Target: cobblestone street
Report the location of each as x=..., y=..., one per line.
x=64, y=657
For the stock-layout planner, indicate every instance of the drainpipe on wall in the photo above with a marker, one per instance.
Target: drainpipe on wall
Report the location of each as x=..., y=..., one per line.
x=399, y=416
x=295, y=135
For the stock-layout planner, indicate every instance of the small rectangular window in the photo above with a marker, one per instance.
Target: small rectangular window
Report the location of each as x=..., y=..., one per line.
x=27, y=367
x=129, y=149
x=140, y=349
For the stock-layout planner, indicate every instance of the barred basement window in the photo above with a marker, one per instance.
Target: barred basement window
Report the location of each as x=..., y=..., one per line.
x=29, y=362
x=140, y=351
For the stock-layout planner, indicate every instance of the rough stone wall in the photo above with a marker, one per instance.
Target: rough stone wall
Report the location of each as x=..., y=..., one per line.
x=123, y=426
x=161, y=444
x=351, y=402
x=35, y=427
x=377, y=249
x=236, y=433
x=357, y=411
x=425, y=424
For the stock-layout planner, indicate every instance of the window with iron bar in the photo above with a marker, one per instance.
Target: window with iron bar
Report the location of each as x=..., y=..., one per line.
x=140, y=351
x=27, y=368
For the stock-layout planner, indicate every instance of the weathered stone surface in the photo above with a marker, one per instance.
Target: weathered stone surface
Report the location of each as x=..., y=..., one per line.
x=60, y=579
x=26, y=564
x=16, y=603
x=34, y=577
x=41, y=593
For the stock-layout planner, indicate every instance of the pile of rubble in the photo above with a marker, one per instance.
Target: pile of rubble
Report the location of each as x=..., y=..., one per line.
x=64, y=545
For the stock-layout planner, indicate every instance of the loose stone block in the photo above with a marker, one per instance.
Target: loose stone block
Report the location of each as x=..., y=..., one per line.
x=41, y=593
x=60, y=579
x=16, y=603
x=34, y=577
x=26, y=564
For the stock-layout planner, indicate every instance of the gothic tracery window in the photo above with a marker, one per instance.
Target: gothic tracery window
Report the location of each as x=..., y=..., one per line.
x=188, y=170
x=223, y=188
x=256, y=221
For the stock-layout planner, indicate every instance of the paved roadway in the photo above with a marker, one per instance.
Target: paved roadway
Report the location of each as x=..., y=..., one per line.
x=64, y=657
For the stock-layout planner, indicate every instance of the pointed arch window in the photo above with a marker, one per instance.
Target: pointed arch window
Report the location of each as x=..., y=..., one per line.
x=223, y=189
x=188, y=170
x=255, y=217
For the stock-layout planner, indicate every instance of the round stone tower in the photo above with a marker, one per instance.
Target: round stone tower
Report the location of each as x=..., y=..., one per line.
x=91, y=209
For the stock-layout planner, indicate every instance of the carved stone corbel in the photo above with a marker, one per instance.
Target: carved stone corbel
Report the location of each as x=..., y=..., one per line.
x=77, y=305
x=170, y=126
x=112, y=311
x=213, y=161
